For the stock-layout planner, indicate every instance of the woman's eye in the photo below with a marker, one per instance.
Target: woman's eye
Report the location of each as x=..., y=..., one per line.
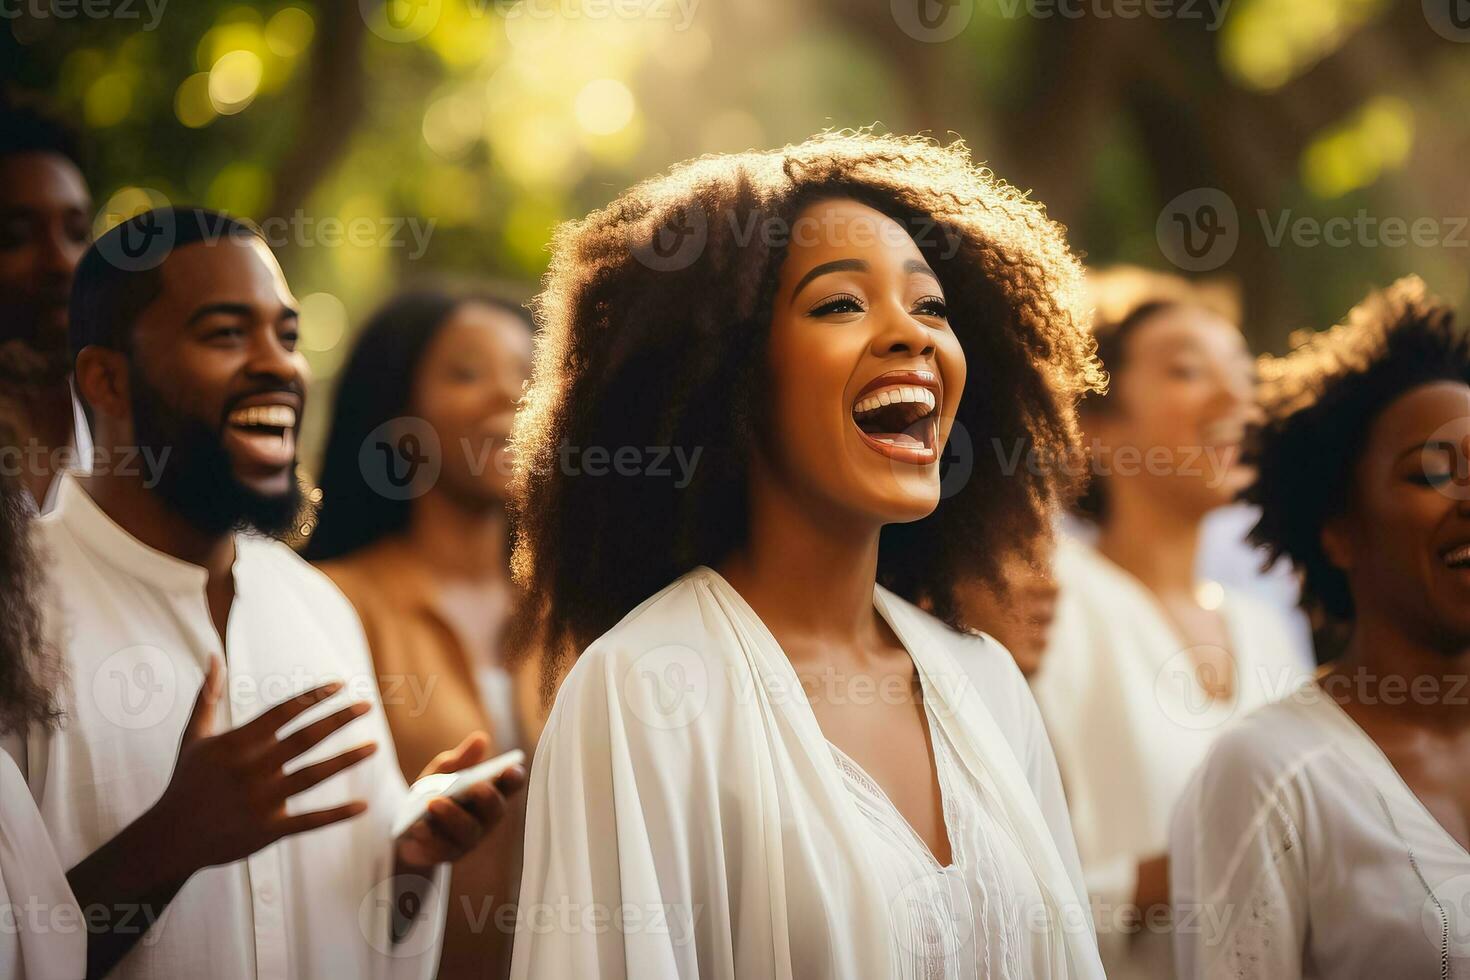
x=837, y=304
x=932, y=306
x=1432, y=477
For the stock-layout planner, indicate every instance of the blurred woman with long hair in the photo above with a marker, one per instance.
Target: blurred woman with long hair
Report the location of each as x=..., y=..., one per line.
x=413, y=529
x=1146, y=660
x=767, y=760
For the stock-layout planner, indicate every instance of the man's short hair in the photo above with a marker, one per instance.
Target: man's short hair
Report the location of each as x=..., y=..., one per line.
x=119, y=275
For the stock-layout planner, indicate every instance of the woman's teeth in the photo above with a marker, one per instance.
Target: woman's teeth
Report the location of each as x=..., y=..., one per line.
x=893, y=396
x=899, y=421
x=1458, y=557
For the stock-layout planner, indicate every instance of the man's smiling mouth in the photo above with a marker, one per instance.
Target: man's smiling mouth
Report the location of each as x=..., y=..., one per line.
x=897, y=415
x=263, y=434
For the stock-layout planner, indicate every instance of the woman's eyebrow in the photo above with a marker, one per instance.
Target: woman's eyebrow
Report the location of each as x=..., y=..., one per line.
x=915, y=267
x=836, y=265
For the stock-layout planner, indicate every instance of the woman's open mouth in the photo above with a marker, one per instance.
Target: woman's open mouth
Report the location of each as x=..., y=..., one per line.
x=897, y=414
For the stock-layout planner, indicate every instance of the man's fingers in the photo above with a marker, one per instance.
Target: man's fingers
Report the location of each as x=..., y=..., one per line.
x=512, y=781
x=277, y=717
x=306, y=738
x=483, y=802
x=306, y=777
x=454, y=824
x=320, y=818
x=467, y=753
x=201, y=718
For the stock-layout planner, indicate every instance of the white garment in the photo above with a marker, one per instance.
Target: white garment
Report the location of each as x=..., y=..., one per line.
x=688, y=819
x=138, y=635
x=1130, y=721
x=81, y=450
x=1228, y=557
x=968, y=918
x=1299, y=852
x=42, y=936
x=478, y=617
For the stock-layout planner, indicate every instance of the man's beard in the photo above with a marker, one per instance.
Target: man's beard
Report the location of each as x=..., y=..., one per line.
x=198, y=479
x=25, y=368
x=33, y=345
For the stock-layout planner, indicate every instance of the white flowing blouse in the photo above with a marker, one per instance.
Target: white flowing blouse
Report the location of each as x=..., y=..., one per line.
x=1299, y=852
x=42, y=935
x=689, y=819
x=1130, y=721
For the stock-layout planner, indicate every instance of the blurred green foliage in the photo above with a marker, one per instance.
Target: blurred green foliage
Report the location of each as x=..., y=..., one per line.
x=483, y=123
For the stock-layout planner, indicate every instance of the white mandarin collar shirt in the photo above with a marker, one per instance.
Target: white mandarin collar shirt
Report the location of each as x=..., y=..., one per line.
x=137, y=635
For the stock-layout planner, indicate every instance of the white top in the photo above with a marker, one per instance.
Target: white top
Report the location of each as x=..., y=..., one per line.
x=42, y=936
x=1227, y=556
x=968, y=918
x=1299, y=852
x=688, y=819
x=138, y=636
x=1130, y=721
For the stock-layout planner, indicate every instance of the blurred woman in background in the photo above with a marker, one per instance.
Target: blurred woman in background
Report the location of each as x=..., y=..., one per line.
x=1146, y=661
x=1328, y=835
x=1018, y=611
x=413, y=529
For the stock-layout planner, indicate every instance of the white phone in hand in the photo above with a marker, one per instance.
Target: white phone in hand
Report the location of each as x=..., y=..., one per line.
x=450, y=784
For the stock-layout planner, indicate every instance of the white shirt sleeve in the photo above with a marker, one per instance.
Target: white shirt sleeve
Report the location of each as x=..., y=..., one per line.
x=1238, y=867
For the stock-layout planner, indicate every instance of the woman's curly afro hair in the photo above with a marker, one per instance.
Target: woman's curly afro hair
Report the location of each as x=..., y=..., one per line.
x=654, y=323
x=1320, y=402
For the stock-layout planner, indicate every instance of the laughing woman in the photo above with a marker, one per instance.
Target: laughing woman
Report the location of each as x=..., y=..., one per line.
x=767, y=761
x=1328, y=835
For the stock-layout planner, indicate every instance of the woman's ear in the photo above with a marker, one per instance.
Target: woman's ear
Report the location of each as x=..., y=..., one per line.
x=102, y=380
